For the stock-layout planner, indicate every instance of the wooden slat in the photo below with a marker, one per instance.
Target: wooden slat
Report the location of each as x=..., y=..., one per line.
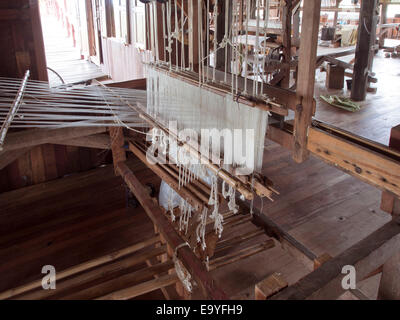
x=185, y=254
x=241, y=254
x=119, y=283
x=82, y=267
x=29, y=138
x=96, y=141
x=103, y=272
x=142, y=288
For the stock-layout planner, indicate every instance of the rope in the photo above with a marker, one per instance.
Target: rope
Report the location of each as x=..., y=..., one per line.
x=182, y=273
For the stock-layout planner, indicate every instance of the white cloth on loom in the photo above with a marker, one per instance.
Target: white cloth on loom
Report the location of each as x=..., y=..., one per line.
x=197, y=108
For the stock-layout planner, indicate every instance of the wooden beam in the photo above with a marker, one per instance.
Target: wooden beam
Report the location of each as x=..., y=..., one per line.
x=81, y=267
x=10, y=156
x=364, y=51
x=270, y=286
x=290, y=244
x=96, y=141
x=389, y=203
x=142, y=288
x=165, y=175
x=30, y=138
x=306, y=77
x=364, y=159
x=382, y=171
x=139, y=84
x=185, y=254
x=121, y=282
x=366, y=256
x=117, y=146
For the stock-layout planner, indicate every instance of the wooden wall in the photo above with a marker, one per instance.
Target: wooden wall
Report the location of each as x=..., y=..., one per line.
x=22, y=48
x=22, y=40
x=48, y=162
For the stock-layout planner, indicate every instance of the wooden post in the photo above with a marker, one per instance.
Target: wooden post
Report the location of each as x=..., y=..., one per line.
x=382, y=36
x=389, y=202
x=389, y=287
x=193, y=35
x=40, y=55
x=306, y=77
x=220, y=57
x=287, y=39
x=365, y=49
x=335, y=18
x=296, y=26
x=334, y=77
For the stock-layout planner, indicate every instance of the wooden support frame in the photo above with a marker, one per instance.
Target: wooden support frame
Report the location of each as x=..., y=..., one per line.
x=306, y=77
x=364, y=51
x=366, y=160
x=190, y=261
x=366, y=256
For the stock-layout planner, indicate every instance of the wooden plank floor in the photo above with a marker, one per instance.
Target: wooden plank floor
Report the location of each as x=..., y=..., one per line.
x=379, y=112
x=62, y=57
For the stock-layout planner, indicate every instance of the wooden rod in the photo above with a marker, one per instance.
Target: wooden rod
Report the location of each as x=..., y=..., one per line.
x=13, y=110
x=142, y=288
x=185, y=254
x=81, y=267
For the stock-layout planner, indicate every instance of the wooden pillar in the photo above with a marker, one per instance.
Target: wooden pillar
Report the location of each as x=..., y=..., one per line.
x=383, y=20
x=296, y=26
x=193, y=35
x=220, y=58
x=110, y=18
x=364, y=51
x=390, y=203
x=389, y=287
x=40, y=72
x=335, y=17
x=306, y=77
x=287, y=39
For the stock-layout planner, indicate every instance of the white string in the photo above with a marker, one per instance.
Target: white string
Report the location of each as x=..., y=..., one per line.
x=201, y=228
x=182, y=273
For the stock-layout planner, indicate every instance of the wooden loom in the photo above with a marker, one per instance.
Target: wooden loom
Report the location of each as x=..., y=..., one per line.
x=371, y=162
